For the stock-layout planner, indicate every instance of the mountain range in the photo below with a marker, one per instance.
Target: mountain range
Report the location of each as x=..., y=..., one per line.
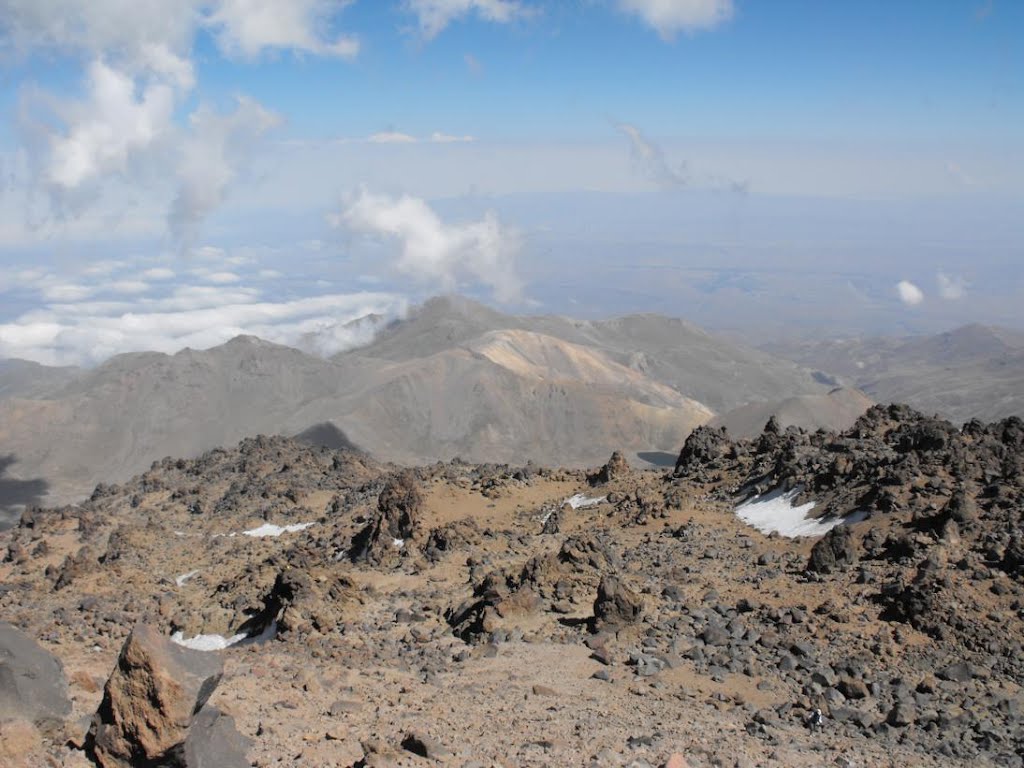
x=457, y=379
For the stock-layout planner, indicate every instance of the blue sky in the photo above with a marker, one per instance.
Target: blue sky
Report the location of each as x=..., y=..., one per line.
x=833, y=167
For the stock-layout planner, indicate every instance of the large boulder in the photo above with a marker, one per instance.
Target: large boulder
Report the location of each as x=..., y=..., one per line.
x=617, y=605
x=32, y=682
x=833, y=552
x=214, y=742
x=398, y=507
x=151, y=700
x=703, y=448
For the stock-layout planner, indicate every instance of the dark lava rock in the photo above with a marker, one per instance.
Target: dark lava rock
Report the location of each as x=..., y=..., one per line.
x=703, y=447
x=616, y=605
x=32, y=682
x=616, y=468
x=213, y=742
x=383, y=540
x=833, y=552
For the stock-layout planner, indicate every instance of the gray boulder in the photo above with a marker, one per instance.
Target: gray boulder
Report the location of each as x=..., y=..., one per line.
x=214, y=742
x=32, y=682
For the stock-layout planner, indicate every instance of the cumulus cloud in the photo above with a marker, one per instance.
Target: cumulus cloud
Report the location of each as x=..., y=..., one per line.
x=141, y=36
x=137, y=57
x=951, y=287
x=909, y=293
x=114, y=123
x=435, y=252
x=86, y=333
x=669, y=17
x=248, y=27
x=217, y=148
x=434, y=15
x=158, y=35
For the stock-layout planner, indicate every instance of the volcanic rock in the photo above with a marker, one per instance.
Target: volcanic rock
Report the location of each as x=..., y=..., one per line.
x=616, y=468
x=383, y=540
x=151, y=700
x=704, y=447
x=213, y=742
x=616, y=605
x=834, y=551
x=32, y=682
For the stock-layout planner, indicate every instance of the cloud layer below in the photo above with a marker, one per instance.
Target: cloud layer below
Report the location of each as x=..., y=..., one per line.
x=112, y=308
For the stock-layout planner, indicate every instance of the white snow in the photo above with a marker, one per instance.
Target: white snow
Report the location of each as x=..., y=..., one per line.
x=269, y=529
x=579, y=501
x=219, y=642
x=775, y=513
x=206, y=642
x=183, y=579
x=398, y=543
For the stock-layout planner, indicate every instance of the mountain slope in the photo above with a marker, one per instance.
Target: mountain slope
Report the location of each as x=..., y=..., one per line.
x=713, y=370
x=975, y=371
x=836, y=411
x=440, y=385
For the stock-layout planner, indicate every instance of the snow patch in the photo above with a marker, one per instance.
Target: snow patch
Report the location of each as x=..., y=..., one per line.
x=269, y=529
x=219, y=642
x=579, y=501
x=182, y=580
x=206, y=642
x=398, y=543
x=775, y=513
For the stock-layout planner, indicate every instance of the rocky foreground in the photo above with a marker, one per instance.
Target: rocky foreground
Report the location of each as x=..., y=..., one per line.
x=363, y=614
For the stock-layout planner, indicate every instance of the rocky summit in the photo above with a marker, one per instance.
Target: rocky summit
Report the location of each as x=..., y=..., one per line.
x=851, y=598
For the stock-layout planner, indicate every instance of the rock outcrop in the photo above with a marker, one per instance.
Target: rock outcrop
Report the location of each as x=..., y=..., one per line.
x=151, y=701
x=32, y=682
x=384, y=539
x=615, y=469
x=617, y=605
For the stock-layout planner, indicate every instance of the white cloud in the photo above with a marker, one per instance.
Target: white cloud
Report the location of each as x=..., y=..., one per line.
x=909, y=293
x=116, y=122
x=140, y=36
x=157, y=35
x=67, y=292
x=137, y=56
x=222, y=278
x=127, y=286
x=650, y=159
x=199, y=317
x=391, y=137
x=435, y=15
x=211, y=158
x=159, y=273
x=669, y=17
x=437, y=137
x=248, y=27
x=951, y=287
x=445, y=138
x=434, y=252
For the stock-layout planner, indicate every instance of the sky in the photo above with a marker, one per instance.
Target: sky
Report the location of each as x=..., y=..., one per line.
x=173, y=174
